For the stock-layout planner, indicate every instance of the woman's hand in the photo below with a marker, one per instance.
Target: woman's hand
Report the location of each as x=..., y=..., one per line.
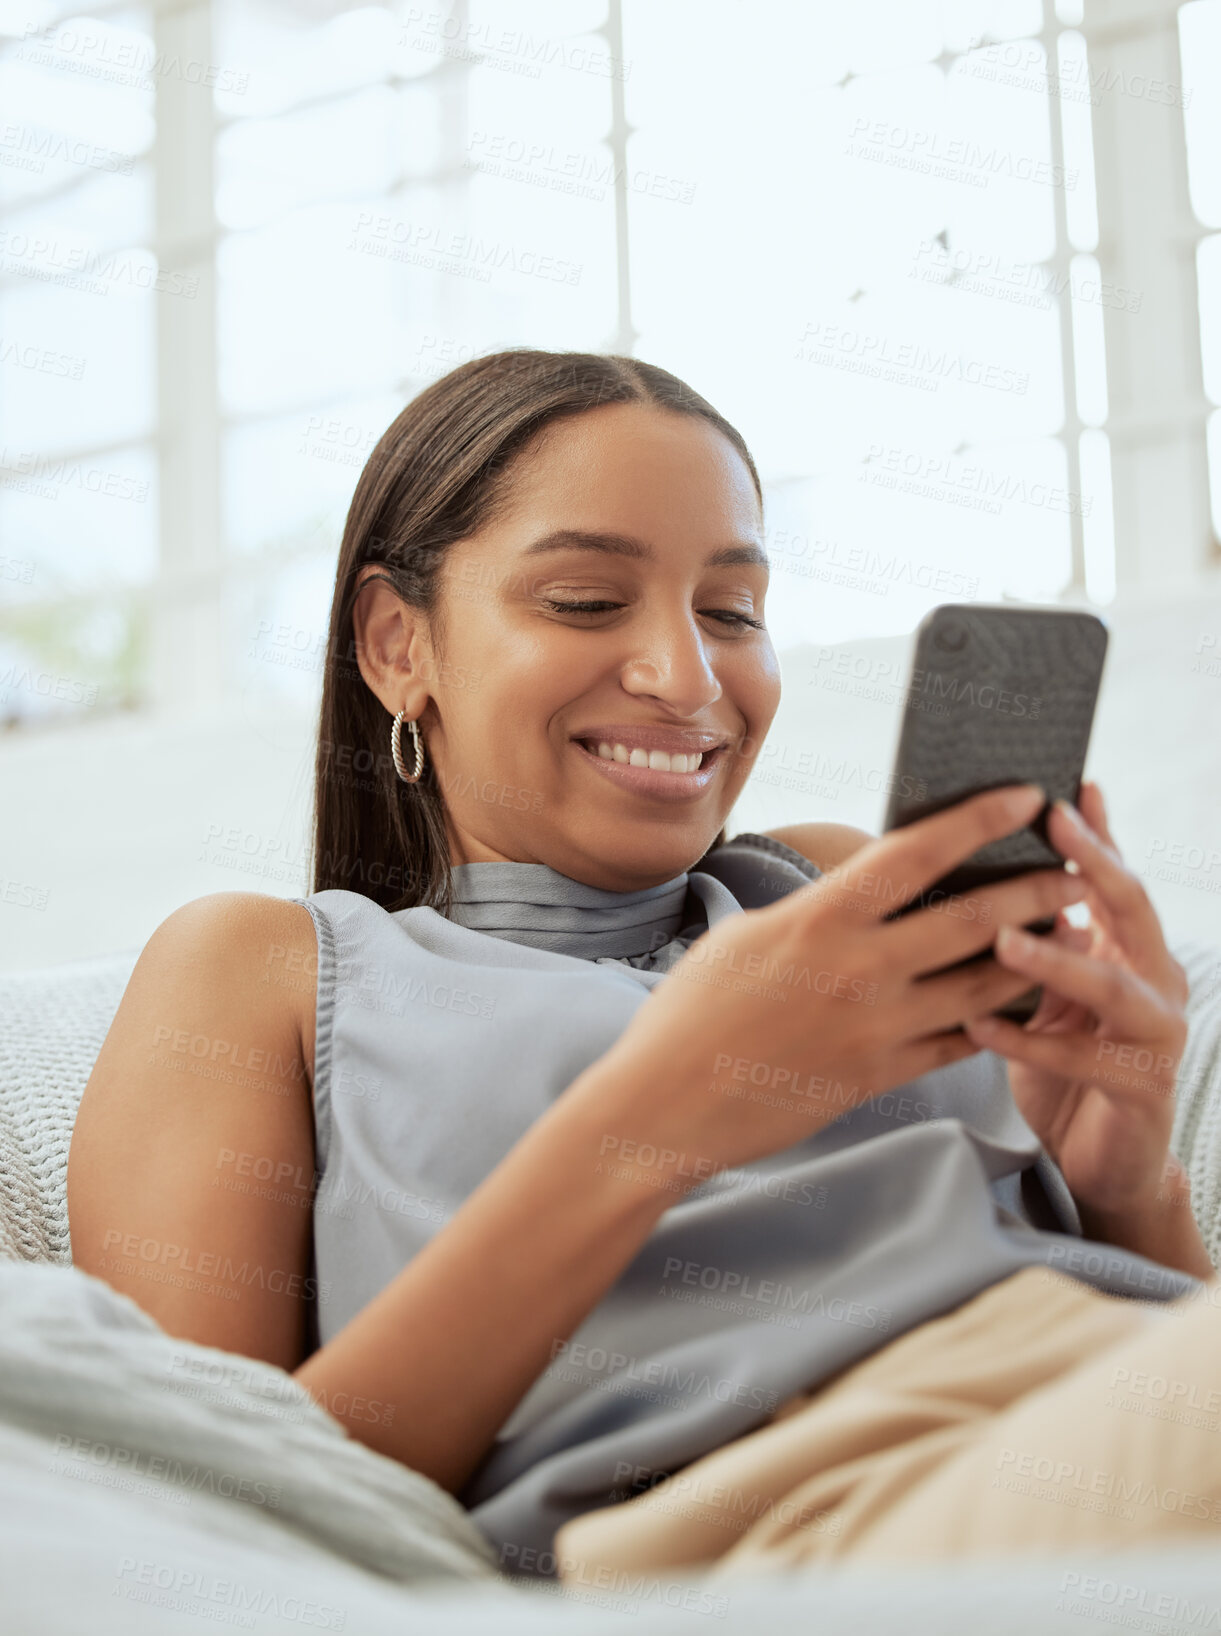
x=1093, y=1071
x=779, y=1020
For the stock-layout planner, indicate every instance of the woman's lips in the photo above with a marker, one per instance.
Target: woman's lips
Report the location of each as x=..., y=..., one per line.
x=652, y=781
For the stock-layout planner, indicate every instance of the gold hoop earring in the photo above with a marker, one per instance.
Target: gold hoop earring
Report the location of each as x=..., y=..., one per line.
x=397, y=753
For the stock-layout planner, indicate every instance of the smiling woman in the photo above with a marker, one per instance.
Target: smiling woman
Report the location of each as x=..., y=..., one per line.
x=538, y=1001
x=611, y=593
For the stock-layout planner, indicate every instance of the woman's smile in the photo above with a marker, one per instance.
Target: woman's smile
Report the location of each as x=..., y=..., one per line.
x=628, y=759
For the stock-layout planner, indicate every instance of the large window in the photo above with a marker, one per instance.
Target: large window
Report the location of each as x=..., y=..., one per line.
x=238, y=235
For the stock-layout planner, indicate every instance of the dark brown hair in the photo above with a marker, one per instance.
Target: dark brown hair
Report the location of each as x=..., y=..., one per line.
x=440, y=472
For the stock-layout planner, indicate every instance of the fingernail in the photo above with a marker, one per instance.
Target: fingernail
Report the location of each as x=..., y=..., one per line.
x=1020, y=801
x=1009, y=940
x=1070, y=812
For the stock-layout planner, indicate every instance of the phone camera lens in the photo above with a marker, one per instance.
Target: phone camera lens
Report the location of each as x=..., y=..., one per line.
x=951, y=638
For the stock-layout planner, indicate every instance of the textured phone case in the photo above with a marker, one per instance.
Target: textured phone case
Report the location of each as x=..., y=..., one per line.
x=997, y=695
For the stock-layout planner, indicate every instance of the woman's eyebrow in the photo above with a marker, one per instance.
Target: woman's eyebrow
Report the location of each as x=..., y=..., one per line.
x=626, y=545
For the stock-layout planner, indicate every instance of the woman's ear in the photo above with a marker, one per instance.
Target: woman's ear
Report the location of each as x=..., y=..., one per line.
x=391, y=643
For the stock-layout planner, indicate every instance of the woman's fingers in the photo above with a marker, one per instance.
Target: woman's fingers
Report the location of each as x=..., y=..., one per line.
x=923, y=1056
x=1115, y=995
x=949, y=1000
x=893, y=870
x=945, y=932
x=1113, y=890
x=1088, y=1058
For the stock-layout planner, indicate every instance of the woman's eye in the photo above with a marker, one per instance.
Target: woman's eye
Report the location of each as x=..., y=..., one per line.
x=725, y=615
x=580, y=607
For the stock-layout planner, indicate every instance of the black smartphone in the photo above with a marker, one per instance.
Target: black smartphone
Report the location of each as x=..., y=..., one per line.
x=997, y=695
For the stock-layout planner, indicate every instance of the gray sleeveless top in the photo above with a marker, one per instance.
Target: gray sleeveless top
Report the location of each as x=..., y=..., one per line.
x=440, y=1041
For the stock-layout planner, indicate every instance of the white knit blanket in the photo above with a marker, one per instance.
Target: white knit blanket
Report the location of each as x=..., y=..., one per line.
x=52, y=1024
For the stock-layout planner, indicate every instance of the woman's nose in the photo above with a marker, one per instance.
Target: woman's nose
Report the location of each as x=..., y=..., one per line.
x=671, y=663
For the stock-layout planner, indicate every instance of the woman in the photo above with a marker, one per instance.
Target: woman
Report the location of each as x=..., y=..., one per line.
x=550, y=586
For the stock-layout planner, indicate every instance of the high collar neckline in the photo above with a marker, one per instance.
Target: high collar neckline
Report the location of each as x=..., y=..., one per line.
x=534, y=904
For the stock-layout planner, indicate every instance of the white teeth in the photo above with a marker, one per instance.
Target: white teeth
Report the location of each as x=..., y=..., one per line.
x=658, y=760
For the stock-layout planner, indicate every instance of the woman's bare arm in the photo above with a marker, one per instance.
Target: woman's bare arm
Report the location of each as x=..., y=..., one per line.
x=190, y=1175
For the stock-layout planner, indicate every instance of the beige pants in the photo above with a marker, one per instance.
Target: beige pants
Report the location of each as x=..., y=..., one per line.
x=1040, y=1415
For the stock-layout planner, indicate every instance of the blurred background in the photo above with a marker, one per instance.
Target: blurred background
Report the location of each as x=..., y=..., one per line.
x=952, y=266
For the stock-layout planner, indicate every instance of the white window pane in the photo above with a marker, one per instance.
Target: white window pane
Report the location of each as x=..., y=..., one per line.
x=1208, y=269
x=76, y=369
x=1076, y=124
x=968, y=22
x=311, y=305
x=1089, y=346
x=276, y=55
x=1200, y=47
x=287, y=481
x=73, y=235
x=92, y=77
x=74, y=658
x=540, y=43
x=559, y=113
x=1003, y=162
x=542, y=20
x=266, y=168
x=87, y=522
x=54, y=135
x=1214, y=468
x=1097, y=516
x=276, y=623
x=868, y=548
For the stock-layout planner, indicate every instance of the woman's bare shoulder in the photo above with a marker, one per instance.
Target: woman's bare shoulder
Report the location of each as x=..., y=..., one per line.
x=246, y=944
x=825, y=845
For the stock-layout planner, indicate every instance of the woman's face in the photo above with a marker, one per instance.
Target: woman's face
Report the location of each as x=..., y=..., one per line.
x=672, y=654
